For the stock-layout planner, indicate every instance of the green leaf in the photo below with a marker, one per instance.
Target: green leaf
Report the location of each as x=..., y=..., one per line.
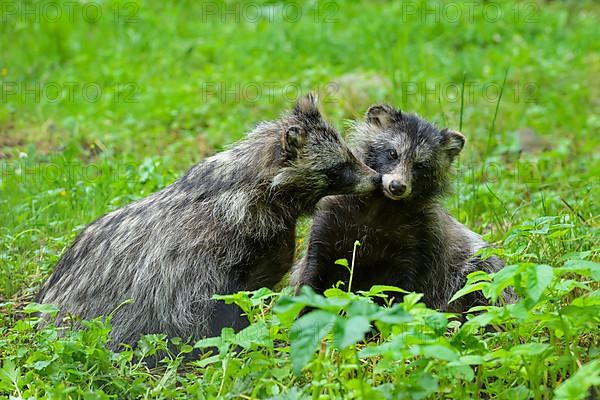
x=242, y=299
x=255, y=334
x=208, y=361
x=39, y=365
x=337, y=293
x=469, y=288
x=222, y=343
x=530, y=349
x=440, y=352
x=502, y=279
x=309, y=298
x=306, y=334
x=468, y=360
x=411, y=299
x=363, y=307
x=463, y=372
x=538, y=279
x=41, y=308
x=343, y=262
x=262, y=293
x=378, y=289
x=478, y=276
x=393, y=315
x=519, y=310
x=576, y=255
x=287, y=309
x=582, y=267
x=9, y=374
x=350, y=331
x=385, y=348
x=437, y=322
x=578, y=386
x=483, y=319
x=208, y=342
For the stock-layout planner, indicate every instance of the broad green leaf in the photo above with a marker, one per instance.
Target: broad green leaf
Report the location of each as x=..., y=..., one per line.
x=469, y=288
x=462, y=371
x=306, y=334
x=242, y=299
x=39, y=365
x=208, y=361
x=478, y=276
x=219, y=342
x=576, y=255
x=41, y=308
x=337, y=292
x=377, y=289
x=257, y=333
x=287, y=309
x=392, y=315
x=483, y=319
x=10, y=375
x=350, y=331
x=578, y=386
x=502, y=279
x=437, y=322
x=308, y=297
x=582, y=267
x=261, y=294
x=538, y=279
x=440, y=352
x=411, y=299
x=469, y=360
x=363, y=307
x=390, y=348
x=530, y=349
x=343, y=262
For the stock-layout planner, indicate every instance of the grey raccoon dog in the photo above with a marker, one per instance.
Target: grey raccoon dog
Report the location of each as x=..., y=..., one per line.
x=407, y=238
x=227, y=225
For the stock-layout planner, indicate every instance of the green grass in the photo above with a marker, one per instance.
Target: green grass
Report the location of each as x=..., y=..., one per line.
x=528, y=181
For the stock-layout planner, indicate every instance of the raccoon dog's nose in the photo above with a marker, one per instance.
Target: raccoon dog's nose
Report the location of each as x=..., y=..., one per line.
x=397, y=188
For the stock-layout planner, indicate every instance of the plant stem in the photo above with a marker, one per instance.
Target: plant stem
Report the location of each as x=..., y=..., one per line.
x=462, y=102
x=493, y=126
x=356, y=244
x=317, y=377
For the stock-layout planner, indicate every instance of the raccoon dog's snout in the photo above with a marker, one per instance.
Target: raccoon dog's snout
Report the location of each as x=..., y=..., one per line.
x=370, y=180
x=395, y=187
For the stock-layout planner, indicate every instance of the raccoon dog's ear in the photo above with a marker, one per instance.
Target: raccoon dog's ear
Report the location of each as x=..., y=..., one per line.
x=292, y=140
x=382, y=115
x=452, y=142
x=307, y=107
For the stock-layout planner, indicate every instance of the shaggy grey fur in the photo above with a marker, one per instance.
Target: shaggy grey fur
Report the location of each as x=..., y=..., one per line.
x=408, y=239
x=227, y=225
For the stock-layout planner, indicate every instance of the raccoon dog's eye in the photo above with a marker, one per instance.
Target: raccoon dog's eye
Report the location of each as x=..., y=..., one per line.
x=420, y=166
x=393, y=154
